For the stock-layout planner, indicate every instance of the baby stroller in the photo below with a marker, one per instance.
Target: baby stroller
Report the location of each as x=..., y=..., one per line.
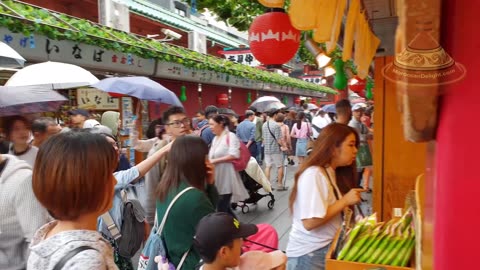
x=254, y=179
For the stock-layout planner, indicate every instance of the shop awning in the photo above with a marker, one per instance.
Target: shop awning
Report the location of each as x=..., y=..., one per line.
x=22, y=18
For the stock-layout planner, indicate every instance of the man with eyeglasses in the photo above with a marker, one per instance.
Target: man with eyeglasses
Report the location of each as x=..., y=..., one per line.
x=177, y=124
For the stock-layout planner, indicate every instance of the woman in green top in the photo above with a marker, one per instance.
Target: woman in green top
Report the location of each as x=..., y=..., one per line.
x=187, y=166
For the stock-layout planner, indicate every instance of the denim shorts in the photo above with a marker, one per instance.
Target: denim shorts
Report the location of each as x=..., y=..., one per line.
x=313, y=261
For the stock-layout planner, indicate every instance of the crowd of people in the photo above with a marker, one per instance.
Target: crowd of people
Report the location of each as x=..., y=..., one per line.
x=69, y=198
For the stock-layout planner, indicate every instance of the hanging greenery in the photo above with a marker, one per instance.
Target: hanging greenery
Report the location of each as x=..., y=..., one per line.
x=183, y=93
x=249, y=97
x=368, y=89
x=22, y=18
x=285, y=100
x=340, y=81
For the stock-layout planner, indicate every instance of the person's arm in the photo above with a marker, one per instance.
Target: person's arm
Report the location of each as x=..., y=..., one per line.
x=233, y=151
x=144, y=166
x=140, y=145
x=251, y=139
x=30, y=213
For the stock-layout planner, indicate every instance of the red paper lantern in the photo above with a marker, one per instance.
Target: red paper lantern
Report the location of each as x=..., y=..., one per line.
x=356, y=84
x=222, y=99
x=297, y=100
x=273, y=40
x=313, y=101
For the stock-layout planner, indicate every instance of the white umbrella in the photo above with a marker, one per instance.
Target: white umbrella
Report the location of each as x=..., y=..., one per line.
x=57, y=75
x=312, y=107
x=262, y=103
x=9, y=58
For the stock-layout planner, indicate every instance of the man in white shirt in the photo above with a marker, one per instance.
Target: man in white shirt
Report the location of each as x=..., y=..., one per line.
x=320, y=121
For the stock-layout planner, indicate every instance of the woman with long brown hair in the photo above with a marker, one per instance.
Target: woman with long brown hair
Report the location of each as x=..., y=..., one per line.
x=188, y=166
x=322, y=189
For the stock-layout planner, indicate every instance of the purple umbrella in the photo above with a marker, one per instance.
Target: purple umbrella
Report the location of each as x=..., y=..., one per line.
x=139, y=87
x=16, y=100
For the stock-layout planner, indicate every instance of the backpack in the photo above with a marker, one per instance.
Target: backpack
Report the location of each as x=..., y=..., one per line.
x=198, y=131
x=155, y=246
x=129, y=237
x=241, y=163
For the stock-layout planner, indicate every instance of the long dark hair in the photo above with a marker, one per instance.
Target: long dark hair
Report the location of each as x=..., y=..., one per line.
x=300, y=117
x=331, y=137
x=186, y=162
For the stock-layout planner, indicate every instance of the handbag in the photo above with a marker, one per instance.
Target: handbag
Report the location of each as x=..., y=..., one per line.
x=241, y=163
x=155, y=245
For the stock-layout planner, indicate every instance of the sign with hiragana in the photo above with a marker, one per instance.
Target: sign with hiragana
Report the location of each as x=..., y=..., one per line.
x=93, y=99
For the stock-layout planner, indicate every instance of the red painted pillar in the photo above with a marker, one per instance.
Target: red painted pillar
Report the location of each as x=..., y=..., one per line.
x=458, y=147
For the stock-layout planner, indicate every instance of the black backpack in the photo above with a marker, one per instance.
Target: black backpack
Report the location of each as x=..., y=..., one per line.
x=129, y=238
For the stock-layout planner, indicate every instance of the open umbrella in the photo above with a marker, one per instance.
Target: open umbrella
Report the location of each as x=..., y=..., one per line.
x=9, y=58
x=274, y=105
x=329, y=108
x=262, y=103
x=226, y=111
x=16, y=100
x=312, y=107
x=139, y=87
x=57, y=75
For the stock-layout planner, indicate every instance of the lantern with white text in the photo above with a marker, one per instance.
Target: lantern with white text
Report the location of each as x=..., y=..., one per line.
x=273, y=40
x=356, y=84
x=222, y=99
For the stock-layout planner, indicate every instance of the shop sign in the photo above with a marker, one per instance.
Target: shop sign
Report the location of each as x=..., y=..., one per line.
x=38, y=48
x=244, y=57
x=182, y=73
x=93, y=99
x=127, y=115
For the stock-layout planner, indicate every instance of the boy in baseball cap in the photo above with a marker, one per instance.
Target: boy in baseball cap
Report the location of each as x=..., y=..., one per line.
x=218, y=240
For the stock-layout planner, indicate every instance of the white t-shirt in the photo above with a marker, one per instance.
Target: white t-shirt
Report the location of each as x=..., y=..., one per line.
x=314, y=196
x=320, y=122
x=29, y=156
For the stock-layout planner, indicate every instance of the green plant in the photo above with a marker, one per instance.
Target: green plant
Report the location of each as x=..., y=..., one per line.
x=62, y=26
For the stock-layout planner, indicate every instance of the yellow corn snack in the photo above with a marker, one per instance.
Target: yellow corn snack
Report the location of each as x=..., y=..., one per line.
x=337, y=23
x=272, y=3
x=350, y=29
x=303, y=14
x=326, y=11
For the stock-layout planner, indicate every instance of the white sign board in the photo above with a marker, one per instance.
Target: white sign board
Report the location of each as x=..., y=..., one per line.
x=93, y=99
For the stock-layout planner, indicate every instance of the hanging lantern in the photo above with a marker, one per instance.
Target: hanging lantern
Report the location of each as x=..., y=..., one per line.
x=356, y=84
x=297, y=100
x=222, y=99
x=183, y=93
x=249, y=97
x=313, y=101
x=340, y=81
x=272, y=3
x=285, y=100
x=273, y=40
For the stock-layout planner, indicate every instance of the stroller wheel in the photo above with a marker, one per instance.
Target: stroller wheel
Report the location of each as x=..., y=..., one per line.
x=245, y=209
x=270, y=204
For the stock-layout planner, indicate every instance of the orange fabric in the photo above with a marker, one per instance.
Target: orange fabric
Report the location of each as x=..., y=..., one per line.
x=272, y=3
x=350, y=29
x=337, y=23
x=303, y=14
x=326, y=10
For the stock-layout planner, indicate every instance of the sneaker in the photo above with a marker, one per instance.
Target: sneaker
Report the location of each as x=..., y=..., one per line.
x=282, y=188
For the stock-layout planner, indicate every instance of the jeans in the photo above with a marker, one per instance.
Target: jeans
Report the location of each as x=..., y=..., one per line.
x=259, y=153
x=224, y=204
x=253, y=149
x=314, y=260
